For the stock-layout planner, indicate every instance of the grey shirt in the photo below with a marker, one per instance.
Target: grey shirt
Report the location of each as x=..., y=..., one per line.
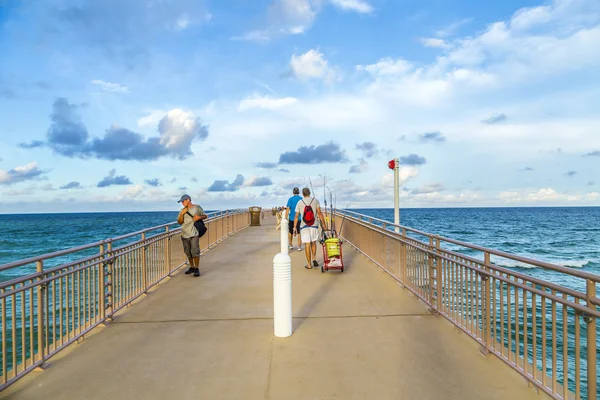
x=314, y=204
x=188, y=229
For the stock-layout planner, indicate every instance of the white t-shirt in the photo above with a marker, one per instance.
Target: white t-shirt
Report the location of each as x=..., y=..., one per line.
x=314, y=204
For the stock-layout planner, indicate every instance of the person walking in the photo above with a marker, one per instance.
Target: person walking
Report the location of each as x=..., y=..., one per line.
x=309, y=208
x=291, y=212
x=190, y=238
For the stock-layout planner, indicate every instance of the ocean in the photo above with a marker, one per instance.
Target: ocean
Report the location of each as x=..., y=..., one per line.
x=568, y=236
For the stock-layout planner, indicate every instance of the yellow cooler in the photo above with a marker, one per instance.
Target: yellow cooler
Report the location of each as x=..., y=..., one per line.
x=333, y=247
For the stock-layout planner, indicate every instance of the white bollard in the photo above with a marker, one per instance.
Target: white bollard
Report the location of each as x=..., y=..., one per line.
x=282, y=285
x=282, y=295
x=284, y=232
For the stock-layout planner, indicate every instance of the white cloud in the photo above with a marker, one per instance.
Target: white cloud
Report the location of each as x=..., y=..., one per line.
x=110, y=86
x=405, y=174
x=26, y=172
x=254, y=36
x=268, y=103
x=152, y=119
x=311, y=65
x=182, y=22
x=178, y=129
x=359, y=6
x=132, y=192
x=435, y=42
x=387, y=66
x=451, y=29
x=295, y=17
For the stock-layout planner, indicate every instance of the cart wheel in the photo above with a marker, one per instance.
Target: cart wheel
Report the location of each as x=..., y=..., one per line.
x=342, y=269
x=322, y=269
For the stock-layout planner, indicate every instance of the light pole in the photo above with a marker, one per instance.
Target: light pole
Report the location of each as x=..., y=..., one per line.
x=395, y=165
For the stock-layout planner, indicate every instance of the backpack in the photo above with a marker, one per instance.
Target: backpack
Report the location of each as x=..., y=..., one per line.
x=308, y=216
x=199, y=225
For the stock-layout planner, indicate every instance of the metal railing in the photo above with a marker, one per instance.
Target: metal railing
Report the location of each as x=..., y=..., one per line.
x=44, y=311
x=545, y=331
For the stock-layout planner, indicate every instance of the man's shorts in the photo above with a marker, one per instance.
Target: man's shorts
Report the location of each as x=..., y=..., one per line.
x=309, y=235
x=291, y=226
x=191, y=246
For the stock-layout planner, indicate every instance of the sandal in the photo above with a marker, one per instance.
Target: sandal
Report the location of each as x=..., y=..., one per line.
x=308, y=267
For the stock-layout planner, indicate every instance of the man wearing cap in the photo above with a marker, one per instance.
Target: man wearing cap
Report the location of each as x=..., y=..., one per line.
x=291, y=212
x=189, y=234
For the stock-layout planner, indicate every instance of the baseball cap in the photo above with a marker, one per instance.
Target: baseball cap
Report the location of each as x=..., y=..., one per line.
x=296, y=190
x=184, y=197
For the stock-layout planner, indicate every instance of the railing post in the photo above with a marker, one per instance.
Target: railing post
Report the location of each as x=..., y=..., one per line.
x=144, y=261
x=487, y=335
x=168, y=251
x=109, y=296
x=438, y=274
x=403, y=257
x=430, y=259
x=39, y=268
x=101, y=293
x=591, y=343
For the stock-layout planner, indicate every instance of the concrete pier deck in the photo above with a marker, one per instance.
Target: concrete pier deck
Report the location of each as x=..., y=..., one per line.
x=357, y=335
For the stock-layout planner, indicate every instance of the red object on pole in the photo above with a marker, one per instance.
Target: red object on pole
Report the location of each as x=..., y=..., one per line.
x=392, y=164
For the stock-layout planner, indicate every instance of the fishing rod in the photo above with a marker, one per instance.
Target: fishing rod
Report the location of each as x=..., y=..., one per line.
x=343, y=219
x=331, y=210
x=334, y=209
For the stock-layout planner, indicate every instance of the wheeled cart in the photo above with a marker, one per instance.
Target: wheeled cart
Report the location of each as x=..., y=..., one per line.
x=332, y=252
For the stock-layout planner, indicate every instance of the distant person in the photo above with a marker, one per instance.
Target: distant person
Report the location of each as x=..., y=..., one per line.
x=291, y=212
x=309, y=208
x=189, y=234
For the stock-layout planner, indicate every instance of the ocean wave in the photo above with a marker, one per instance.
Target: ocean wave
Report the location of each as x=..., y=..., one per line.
x=507, y=263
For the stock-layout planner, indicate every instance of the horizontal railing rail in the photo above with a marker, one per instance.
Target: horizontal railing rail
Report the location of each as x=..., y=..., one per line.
x=46, y=309
x=546, y=331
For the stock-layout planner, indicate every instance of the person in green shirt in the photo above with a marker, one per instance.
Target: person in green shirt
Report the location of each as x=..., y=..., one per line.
x=190, y=238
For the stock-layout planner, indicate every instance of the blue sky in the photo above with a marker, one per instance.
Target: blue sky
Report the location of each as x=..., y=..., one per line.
x=116, y=106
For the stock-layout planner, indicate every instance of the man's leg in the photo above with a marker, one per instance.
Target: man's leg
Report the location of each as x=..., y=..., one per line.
x=188, y=252
x=304, y=234
x=307, y=252
x=313, y=246
x=290, y=232
x=195, y=250
x=298, y=234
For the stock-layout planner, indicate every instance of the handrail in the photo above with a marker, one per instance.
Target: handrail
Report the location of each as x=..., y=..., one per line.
x=512, y=315
x=542, y=264
x=45, y=311
x=31, y=260
x=495, y=267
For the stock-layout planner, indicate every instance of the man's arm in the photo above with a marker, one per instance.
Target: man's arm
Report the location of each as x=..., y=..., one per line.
x=202, y=215
x=322, y=219
x=181, y=215
x=296, y=217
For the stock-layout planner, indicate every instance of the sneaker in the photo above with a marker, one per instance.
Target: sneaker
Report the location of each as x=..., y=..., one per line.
x=197, y=272
x=189, y=271
x=290, y=247
x=315, y=263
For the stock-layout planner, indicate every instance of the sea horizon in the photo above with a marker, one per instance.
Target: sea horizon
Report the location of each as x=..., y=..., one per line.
x=338, y=208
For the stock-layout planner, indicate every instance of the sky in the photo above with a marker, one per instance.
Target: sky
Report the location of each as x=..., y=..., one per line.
x=125, y=106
